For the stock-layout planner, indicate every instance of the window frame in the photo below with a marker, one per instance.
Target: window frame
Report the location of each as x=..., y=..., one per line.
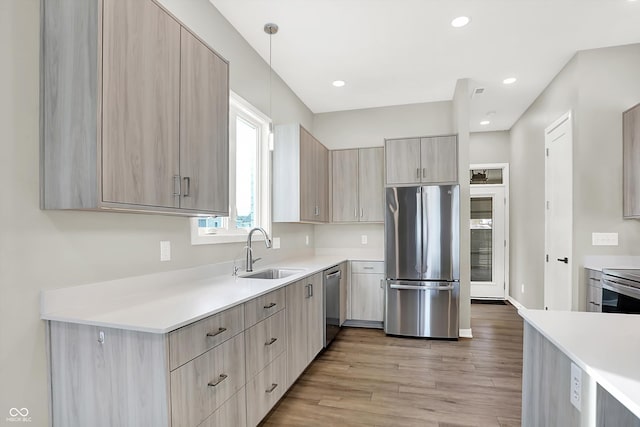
x=240, y=108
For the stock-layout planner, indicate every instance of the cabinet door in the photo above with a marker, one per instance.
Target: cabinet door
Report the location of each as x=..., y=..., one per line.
x=343, y=292
x=322, y=182
x=439, y=159
x=344, y=172
x=371, y=184
x=308, y=177
x=297, y=329
x=367, y=297
x=140, y=104
x=403, y=161
x=315, y=316
x=204, y=118
x=631, y=163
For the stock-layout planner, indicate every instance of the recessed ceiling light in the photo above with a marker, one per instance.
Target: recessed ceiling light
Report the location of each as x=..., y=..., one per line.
x=338, y=83
x=485, y=122
x=460, y=21
x=509, y=81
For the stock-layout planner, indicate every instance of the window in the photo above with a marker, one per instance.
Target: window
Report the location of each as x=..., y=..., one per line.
x=249, y=179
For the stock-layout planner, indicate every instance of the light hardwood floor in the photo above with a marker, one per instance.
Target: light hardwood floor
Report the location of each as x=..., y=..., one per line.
x=368, y=379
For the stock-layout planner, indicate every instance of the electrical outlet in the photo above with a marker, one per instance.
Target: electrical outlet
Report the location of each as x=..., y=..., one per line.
x=165, y=250
x=522, y=288
x=306, y=240
x=576, y=386
x=275, y=243
x=604, y=239
x=363, y=239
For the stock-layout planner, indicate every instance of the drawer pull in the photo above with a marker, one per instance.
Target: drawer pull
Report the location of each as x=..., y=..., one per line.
x=221, y=378
x=271, y=305
x=216, y=333
x=367, y=268
x=270, y=389
x=271, y=341
x=594, y=303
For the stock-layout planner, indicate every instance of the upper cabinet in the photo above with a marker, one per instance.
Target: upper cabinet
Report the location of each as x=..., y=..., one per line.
x=631, y=162
x=135, y=111
x=358, y=185
x=300, y=176
x=430, y=160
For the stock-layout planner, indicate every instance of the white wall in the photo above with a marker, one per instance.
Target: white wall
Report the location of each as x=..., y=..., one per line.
x=51, y=249
x=597, y=85
x=489, y=147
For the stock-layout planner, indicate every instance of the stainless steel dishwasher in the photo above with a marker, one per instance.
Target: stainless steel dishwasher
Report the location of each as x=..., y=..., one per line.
x=332, y=278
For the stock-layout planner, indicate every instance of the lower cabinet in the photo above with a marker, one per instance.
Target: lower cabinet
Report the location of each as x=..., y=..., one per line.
x=305, y=324
x=228, y=369
x=593, y=290
x=366, y=292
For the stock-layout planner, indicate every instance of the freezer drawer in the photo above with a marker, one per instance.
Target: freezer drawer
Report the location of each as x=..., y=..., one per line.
x=422, y=309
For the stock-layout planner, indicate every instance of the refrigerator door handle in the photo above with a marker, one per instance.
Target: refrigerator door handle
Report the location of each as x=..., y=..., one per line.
x=423, y=288
x=419, y=230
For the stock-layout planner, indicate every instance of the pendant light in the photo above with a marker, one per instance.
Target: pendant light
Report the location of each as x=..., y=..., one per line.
x=270, y=29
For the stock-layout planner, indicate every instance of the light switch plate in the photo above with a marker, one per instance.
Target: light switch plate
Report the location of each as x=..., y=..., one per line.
x=165, y=250
x=576, y=386
x=604, y=239
x=275, y=243
x=306, y=240
x=364, y=239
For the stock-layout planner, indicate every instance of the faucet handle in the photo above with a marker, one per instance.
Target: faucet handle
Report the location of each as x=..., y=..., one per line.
x=257, y=259
x=235, y=270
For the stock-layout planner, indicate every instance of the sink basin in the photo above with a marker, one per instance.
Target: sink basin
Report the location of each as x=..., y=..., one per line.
x=272, y=273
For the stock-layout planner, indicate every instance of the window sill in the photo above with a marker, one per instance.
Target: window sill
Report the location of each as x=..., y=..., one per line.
x=214, y=239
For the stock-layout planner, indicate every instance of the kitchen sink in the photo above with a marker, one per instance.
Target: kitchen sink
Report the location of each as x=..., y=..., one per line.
x=272, y=273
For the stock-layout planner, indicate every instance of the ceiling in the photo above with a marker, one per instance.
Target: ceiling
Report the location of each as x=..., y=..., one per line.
x=394, y=52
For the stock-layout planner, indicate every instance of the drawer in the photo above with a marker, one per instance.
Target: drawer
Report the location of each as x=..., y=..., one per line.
x=262, y=307
x=366, y=267
x=233, y=412
x=201, y=386
x=594, y=298
x=265, y=389
x=192, y=340
x=264, y=342
x=593, y=276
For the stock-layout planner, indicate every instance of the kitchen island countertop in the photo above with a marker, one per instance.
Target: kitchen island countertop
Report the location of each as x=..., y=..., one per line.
x=605, y=345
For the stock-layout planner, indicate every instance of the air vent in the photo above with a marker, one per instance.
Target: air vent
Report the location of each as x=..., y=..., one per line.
x=477, y=91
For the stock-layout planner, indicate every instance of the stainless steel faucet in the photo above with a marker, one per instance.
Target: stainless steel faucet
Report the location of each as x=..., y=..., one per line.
x=267, y=242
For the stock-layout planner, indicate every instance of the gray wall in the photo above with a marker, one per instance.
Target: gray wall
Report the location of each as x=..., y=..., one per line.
x=489, y=147
x=597, y=85
x=51, y=249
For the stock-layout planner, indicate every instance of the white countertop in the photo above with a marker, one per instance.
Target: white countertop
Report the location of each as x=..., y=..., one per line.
x=599, y=262
x=605, y=345
x=163, y=302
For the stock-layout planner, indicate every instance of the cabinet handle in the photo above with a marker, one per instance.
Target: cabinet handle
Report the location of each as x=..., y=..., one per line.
x=176, y=184
x=367, y=268
x=355, y=212
x=596, y=304
x=187, y=181
x=270, y=389
x=361, y=212
x=418, y=173
x=424, y=172
x=270, y=305
x=310, y=290
x=216, y=333
x=271, y=341
x=221, y=378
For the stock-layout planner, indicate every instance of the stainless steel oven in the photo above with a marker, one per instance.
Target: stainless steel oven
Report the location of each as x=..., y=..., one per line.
x=621, y=291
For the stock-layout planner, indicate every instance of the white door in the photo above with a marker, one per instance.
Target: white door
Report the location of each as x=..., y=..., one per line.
x=488, y=242
x=558, y=214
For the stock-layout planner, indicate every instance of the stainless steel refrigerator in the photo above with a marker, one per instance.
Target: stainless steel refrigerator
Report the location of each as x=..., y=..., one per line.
x=422, y=261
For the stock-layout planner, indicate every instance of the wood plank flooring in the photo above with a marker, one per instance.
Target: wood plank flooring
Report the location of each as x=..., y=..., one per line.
x=368, y=379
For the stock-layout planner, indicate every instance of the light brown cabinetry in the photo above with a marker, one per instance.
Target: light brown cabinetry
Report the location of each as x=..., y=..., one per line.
x=300, y=176
x=135, y=111
x=358, y=185
x=304, y=324
x=593, y=290
x=631, y=162
x=366, y=292
x=265, y=389
x=428, y=160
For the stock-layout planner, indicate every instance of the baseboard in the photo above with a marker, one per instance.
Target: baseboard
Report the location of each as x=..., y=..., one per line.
x=364, y=324
x=465, y=333
x=515, y=303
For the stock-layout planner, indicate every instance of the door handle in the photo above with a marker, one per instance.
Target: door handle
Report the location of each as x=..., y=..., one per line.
x=187, y=181
x=565, y=260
